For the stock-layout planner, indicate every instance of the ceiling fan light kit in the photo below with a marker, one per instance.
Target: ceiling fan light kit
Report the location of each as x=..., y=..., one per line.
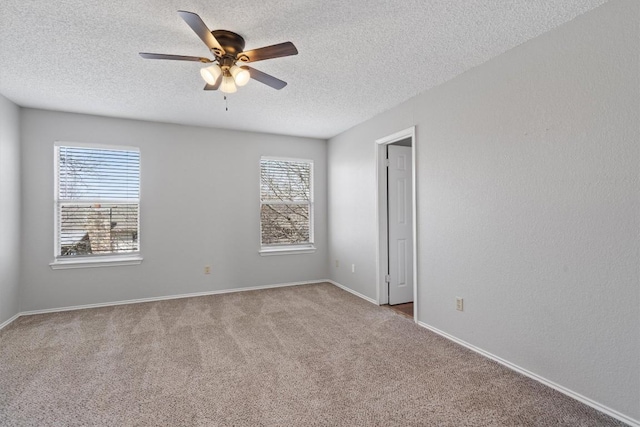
x=240, y=75
x=228, y=85
x=210, y=74
x=228, y=49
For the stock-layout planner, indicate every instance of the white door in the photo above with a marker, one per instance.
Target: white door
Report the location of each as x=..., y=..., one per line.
x=400, y=225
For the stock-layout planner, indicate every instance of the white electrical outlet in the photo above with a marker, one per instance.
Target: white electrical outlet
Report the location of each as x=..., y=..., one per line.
x=459, y=304
x=207, y=269
x=353, y=268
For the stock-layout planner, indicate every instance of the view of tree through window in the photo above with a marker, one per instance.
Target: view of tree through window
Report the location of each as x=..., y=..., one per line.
x=97, y=200
x=286, y=201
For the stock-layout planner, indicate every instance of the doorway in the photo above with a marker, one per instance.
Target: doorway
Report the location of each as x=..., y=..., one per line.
x=397, y=249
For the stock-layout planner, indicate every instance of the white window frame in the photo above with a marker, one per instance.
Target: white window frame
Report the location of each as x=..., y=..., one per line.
x=99, y=260
x=288, y=248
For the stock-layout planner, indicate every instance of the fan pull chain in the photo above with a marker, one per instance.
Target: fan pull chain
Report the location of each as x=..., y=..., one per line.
x=226, y=104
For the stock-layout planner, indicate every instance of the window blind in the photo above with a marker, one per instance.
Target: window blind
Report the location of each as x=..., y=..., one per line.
x=98, y=191
x=286, y=202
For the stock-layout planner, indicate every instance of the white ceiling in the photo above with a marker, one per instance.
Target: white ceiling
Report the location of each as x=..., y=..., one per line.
x=357, y=58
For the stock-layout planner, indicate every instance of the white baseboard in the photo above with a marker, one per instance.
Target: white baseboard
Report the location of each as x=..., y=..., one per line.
x=577, y=396
x=351, y=291
x=189, y=295
x=9, y=320
x=163, y=298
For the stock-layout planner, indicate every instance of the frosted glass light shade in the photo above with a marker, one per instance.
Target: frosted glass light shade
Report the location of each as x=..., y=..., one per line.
x=228, y=85
x=240, y=75
x=211, y=74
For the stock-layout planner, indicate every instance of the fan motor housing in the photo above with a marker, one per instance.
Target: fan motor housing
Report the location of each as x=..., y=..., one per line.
x=231, y=42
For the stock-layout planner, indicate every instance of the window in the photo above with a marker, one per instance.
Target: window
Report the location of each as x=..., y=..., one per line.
x=286, y=205
x=97, y=203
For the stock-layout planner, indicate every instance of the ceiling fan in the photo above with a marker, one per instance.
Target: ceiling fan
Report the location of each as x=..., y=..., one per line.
x=227, y=48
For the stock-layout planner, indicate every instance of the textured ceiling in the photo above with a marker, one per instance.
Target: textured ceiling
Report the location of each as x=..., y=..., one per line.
x=357, y=58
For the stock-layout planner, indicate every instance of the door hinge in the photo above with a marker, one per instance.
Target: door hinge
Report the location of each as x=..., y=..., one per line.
x=387, y=163
x=387, y=278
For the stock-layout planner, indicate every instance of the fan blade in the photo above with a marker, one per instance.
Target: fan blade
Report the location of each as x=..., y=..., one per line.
x=265, y=78
x=268, y=52
x=214, y=86
x=200, y=28
x=146, y=55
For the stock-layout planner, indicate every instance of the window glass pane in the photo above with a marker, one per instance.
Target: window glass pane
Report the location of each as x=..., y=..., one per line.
x=98, y=174
x=285, y=180
x=98, y=192
x=284, y=224
x=98, y=229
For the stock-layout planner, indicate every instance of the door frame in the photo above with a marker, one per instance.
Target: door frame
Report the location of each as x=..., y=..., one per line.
x=382, y=240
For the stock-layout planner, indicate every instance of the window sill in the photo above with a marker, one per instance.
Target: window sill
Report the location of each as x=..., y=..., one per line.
x=95, y=262
x=295, y=250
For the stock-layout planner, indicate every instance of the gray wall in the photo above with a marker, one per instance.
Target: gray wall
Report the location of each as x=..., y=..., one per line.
x=528, y=205
x=9, y=208
x=199, y=206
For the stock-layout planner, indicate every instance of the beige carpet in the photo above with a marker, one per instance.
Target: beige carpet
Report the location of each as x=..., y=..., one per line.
x=301, y=356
